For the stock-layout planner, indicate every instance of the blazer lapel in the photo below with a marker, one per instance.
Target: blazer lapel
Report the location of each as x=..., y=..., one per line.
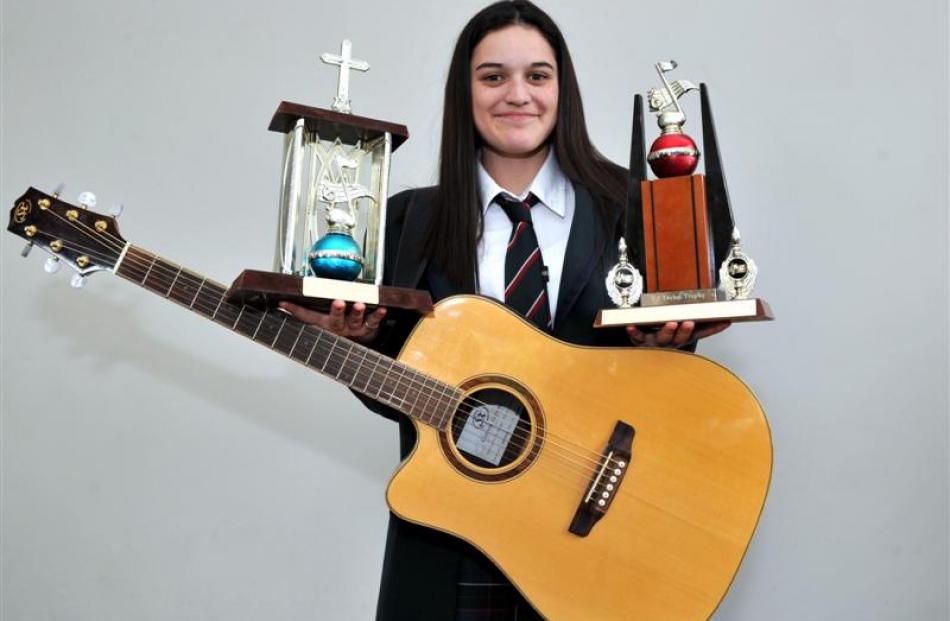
x=411, y=263
x=585, y=247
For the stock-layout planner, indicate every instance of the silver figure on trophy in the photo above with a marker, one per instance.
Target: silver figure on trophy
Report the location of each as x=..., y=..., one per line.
x=334, y=185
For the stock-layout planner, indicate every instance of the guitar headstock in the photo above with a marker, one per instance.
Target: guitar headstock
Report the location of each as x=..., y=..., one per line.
x=83, y=239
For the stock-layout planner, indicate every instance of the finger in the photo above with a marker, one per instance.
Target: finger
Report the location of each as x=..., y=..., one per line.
x=665, y=336
x=375, y=318
x=683, y=333
x=305, y=314
x=637, y=337
x=354, y=320
x=336, y=318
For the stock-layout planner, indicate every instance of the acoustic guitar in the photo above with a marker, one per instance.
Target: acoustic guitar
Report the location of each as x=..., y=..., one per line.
x=607, y=483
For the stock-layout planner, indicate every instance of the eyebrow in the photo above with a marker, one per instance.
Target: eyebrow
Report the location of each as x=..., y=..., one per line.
x=491, y=65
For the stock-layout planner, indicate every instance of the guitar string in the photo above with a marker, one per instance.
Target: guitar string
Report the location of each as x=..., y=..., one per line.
x=593, y=464
x=552, y=468
x=595, y=461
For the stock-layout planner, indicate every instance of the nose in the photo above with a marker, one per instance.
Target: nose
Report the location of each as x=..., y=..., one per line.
x=518, y=93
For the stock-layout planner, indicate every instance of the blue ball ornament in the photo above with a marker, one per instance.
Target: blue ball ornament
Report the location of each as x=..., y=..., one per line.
x=337, y=256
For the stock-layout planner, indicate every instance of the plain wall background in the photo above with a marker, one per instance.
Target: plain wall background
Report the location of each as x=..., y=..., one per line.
x=157, y=467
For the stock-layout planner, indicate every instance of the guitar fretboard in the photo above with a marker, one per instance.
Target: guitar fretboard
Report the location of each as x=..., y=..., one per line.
x=362, y=369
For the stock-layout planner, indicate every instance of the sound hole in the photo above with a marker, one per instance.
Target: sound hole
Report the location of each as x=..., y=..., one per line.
x=491, y=428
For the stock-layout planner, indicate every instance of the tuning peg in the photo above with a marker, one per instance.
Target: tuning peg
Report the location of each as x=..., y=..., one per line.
x=116, y=210
x=59, y=190
x=26, y=249
x=52, y=265
x=78, y=281
x=87, y=200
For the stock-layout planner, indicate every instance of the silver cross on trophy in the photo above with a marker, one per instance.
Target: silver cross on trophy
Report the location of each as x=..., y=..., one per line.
x=345, y=60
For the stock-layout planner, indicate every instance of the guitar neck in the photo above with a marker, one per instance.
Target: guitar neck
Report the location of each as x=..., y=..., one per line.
x=379, y=377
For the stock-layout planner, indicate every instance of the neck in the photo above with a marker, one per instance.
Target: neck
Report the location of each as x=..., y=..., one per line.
x=415, y=394
x=514, y=173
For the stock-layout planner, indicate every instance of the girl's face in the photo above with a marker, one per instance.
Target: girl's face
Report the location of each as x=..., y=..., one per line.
x=514, y=90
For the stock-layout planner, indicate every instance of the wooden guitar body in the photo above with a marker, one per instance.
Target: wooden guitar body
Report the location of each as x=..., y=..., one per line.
x=678, y=526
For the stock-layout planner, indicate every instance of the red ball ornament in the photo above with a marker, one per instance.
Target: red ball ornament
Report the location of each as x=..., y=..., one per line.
x=672, y=155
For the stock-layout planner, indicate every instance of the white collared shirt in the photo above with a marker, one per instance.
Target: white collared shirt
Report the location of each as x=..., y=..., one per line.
x=552, y=218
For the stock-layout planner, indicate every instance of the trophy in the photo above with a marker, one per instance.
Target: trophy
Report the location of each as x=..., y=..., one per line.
x=332, y=207
x=679, y=227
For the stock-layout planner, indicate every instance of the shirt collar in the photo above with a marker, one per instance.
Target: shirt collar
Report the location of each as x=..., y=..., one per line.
x=547, y=185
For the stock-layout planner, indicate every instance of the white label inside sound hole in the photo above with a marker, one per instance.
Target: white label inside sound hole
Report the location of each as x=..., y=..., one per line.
x=487, y=432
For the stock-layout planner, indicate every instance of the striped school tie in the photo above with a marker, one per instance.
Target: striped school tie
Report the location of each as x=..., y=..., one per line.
x=525, y=284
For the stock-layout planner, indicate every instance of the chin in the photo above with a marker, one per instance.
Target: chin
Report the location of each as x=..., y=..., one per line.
x=518, y=148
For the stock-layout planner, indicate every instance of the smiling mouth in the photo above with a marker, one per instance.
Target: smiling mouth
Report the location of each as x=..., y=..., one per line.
x=517, y=118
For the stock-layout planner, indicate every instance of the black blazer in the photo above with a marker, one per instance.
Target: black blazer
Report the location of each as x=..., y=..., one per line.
x=421, y=566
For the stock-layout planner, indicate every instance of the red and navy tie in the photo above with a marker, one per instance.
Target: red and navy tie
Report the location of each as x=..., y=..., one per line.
x=525, y=284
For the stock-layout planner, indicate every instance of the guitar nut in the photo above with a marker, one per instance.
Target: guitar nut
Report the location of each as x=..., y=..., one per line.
x=101, y=225
x=30, y=230
x=56, y=245
x=82, y=261
x=72, y=214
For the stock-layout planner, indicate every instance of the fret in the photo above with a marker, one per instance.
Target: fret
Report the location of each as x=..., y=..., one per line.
x=217, y=308
x=149, y=270
x=259, y=324
x=131, y=267
x=279, y=330
x=372, y=373
x=450, y=407
x=234, y=325
x=197, y=291
x=181, y=291
x=248, y=322
x=428, y=394
x=303, y=327
x=388, y=386
x=359, y=366
x=174, y=280
x=206, y=304
x=326, y=360
x=343, y=367
x=382, y=376
x=415, y=393
x=398, y=388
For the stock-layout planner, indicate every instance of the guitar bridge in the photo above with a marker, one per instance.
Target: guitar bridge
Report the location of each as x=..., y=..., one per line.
x=605, y=484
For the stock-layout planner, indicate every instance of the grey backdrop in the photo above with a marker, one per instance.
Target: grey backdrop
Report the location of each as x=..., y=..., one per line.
x=157, y=467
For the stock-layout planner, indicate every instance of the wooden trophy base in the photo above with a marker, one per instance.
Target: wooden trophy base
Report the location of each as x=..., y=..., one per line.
x=268, y=288
x=752, y=309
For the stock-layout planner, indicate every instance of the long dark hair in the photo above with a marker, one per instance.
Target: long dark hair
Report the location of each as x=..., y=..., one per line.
x=456, y=226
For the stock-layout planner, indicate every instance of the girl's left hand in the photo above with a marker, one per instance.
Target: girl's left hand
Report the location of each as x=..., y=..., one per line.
x=674, y=334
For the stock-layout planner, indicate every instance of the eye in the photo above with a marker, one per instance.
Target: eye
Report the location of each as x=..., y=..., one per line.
x=492, y=78
x=539, y=76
